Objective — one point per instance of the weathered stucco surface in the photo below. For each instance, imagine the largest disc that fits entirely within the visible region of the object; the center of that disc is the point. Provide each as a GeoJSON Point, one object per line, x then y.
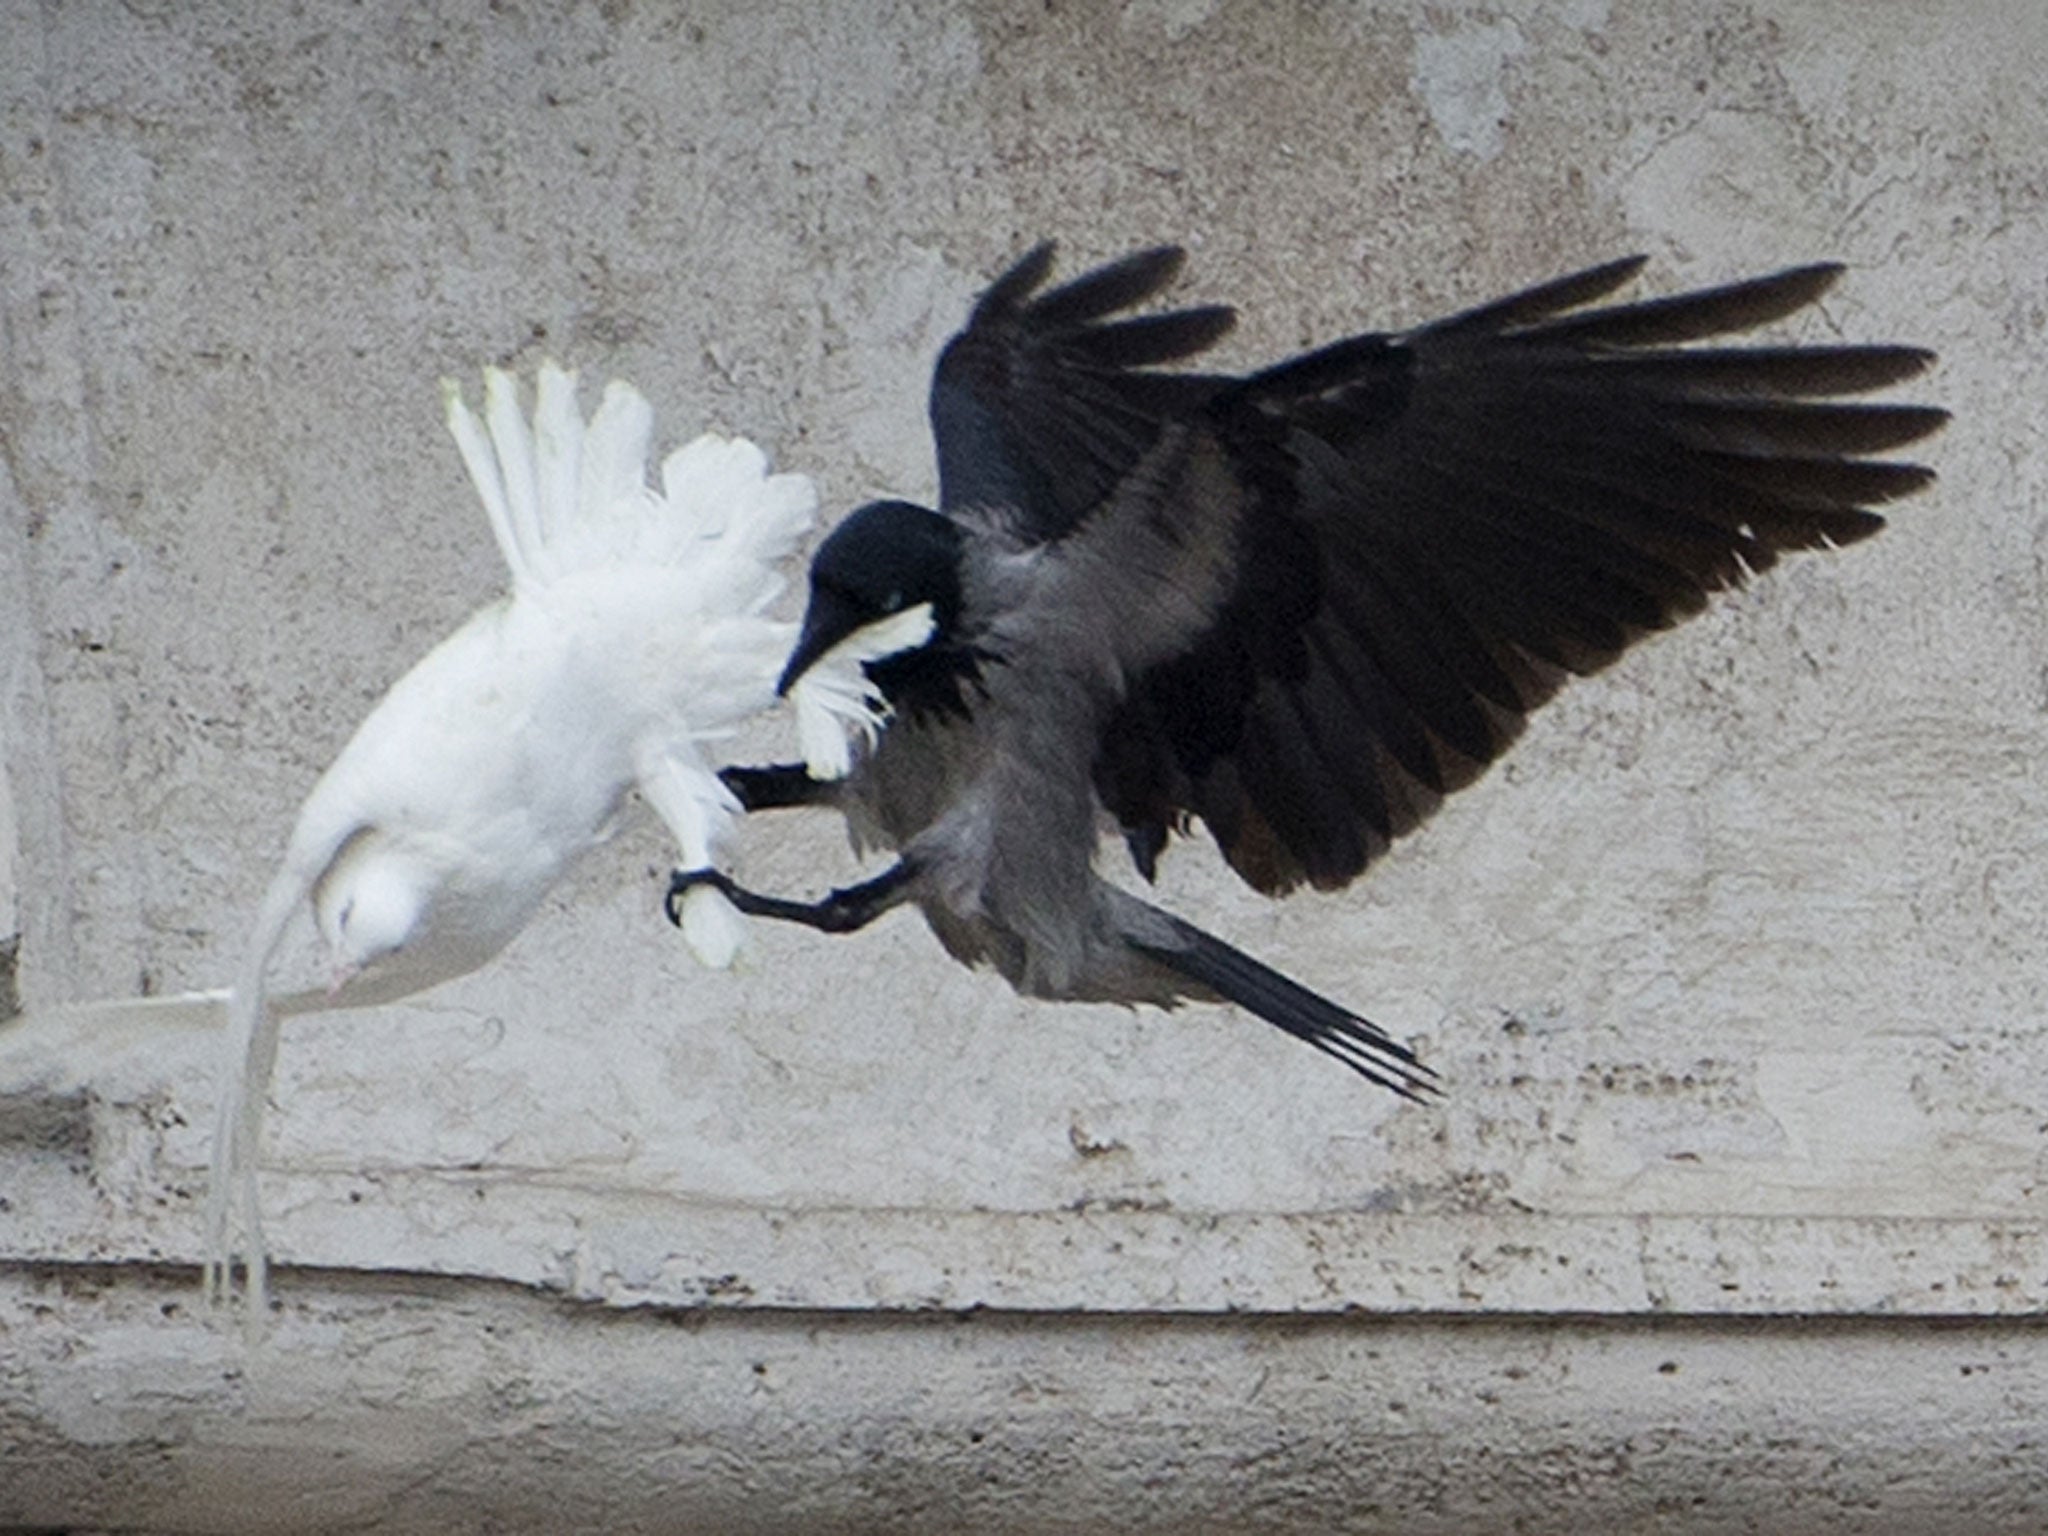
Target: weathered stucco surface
{"type": "Point", "coordinates": [1733, 970]}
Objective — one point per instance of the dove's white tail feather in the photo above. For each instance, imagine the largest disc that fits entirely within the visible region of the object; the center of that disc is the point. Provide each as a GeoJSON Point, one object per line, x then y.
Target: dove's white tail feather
{"type": "Point", "coordinates": [705, 477]}
{"type": "Point", "coordinates": [565, 497]}
{"type": "Point", "coordinates": [719, 513]}
{"type": "Point", "coordinates": [558, 451]}
{"type": "Point", "coordinates": [514, 445]}
{"type": "Point", "coordinates": [482, 464]}
{"type": "Point", "coordinates": [721, 488]}
{"type": "Point", "coordinates": [615, 448]}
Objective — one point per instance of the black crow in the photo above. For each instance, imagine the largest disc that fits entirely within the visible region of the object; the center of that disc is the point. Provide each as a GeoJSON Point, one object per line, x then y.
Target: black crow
{"type": "Point", "coordinates": [1300, 606]}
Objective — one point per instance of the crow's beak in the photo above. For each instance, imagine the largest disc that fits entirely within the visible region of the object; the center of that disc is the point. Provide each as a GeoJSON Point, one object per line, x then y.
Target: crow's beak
{"type": "Point", "coordinates": [828, 620]}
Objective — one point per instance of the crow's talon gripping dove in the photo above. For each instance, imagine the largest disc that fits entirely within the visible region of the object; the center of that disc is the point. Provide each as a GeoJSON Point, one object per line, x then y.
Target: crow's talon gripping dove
{"type": "Point", "coordinates": [684, 881]}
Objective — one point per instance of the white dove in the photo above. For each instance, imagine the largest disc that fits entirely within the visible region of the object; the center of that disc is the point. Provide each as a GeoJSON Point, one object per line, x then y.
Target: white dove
{"type": "Point", "coordinates": [635, 629]}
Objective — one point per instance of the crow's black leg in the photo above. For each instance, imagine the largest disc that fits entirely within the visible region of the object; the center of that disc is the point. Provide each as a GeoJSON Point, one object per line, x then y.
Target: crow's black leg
{"type": "Point", "coordinates": [773, 786]}
{"type": "Point", "coordinates": [840, 911]}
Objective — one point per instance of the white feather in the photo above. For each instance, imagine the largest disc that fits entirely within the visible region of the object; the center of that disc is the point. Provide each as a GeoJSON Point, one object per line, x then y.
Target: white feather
{"type": "Point", "coordinates": [558, 450]}
{"type": "Point", "coordinates": [836, 706]}
{"type": "Point", "coordinates": [614, 468]}
{"type": "Point", "coordinates": [482, 464]}
{"type": "Point", "coordinates": [515, 465]}
{"type": "Point", "coordinates": [633, 633]}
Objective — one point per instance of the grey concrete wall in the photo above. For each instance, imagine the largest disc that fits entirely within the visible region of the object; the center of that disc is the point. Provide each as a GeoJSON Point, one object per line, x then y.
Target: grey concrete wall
{"type": "Point", "coordinates": [1732, 971]}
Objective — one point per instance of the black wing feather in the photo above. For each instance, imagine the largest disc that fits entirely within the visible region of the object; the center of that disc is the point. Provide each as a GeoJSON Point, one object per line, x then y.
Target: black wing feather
{"type": "Point", "coordinates": [1041, 406]}
{"type": "Point", "coordinates": [1116, 285]}
{"type": "Point", "coordinates": [1694, 316]}
{"type": "Point", "coordinates": [1445, 524]}
{"type": "Point", "coordinates": [1545, 299]}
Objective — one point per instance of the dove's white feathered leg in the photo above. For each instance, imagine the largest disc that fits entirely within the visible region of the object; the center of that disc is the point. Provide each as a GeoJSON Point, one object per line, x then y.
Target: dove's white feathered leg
{"type": "Point", "coordinates": [238, 1116]}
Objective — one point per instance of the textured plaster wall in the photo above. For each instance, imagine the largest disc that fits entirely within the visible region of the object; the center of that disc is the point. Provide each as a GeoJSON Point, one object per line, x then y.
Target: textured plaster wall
{"type": "Point", "coordinates": [1732, 970]}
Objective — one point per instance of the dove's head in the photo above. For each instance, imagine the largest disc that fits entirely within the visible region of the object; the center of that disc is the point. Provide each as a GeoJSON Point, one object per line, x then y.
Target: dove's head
{"type": "Point", "coordinates": [367, 905]}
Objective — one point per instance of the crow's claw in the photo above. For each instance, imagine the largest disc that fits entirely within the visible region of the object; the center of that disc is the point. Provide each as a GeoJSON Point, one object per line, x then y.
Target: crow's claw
{"type": "Point", "coordinates": [774, 786]}
{"type": "Point", "coordinates": [683, 881]}
{"type": "Point", "coordinates": [840, 911]}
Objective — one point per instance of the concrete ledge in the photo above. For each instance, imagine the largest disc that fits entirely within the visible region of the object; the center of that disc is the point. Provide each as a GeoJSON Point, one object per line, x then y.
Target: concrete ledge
{"type": "Point", "coordinates": [401, 1404]}
{"type": "Point", "coordinates": [624, 1250]}
{"type": "Point", "coordinates": [101, 1161]}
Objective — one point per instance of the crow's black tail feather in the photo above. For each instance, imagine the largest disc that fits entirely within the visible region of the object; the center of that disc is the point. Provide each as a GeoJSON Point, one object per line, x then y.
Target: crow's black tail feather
{"type": "Point", "coordinates": [1335, 1031]}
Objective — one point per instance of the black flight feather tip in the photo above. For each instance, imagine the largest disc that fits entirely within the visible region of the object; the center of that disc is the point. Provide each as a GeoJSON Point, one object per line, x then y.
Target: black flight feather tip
{"type": "Point", "coordinates": [1023, 278]}
{"type": "Point", "coordinates": [1120, 284]}
{"type": "Point", "coordinates": [1532, 304]}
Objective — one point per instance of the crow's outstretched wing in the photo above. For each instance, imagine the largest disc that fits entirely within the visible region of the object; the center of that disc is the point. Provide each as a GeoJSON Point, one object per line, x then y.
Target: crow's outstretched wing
{"type": "Point", "coordinates": [1444, 524]}
{"type": "Point", "coordinates": [1042, 406]}
{"type": "Point", "coordinates": [1340, 585]}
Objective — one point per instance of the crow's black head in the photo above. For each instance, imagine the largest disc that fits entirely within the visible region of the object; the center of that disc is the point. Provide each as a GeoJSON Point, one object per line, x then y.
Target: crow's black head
{"type": "Point", "coordinates": [886, 557]}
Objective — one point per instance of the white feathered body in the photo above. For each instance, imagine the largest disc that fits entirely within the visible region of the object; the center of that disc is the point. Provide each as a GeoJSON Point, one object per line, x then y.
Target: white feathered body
{"type": "Point", "coordinates": [634, 630]}
{"type": "Point", "coordinates": [504, 755]}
